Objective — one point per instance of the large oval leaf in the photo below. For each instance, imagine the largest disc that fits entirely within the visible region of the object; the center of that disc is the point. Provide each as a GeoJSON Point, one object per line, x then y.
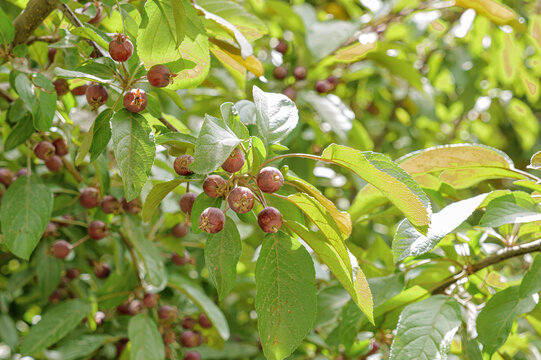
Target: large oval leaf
{"type": "Point", "coordinates": [426, 329]}
{"type": "Point", "coordinates": [133, 145]}
{"type": "Point", "coordinates": [222, 253]}
{"type": "Point", "coordinates": [286, 295]}
{"type": "Point", "coordinates": [157, 43]}
{"type": "Point", "coordinates": [146, 341]}
{"type": "Point", "coordinates": [54, 325]}
{"type": "Point", "coordinates": [25, 212]}
{"type": "Point", "coordinates": [395, 183]}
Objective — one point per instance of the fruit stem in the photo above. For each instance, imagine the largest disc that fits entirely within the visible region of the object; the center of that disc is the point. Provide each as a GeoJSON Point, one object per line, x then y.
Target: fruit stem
{"type": "Point", "coordinates": [72, 170]}
{"type": "Point", "coordinates": [306, 156]}
{"type": "Point", "coordinates": [69, 222]}
{"type": "Point", "coordinates": [80, 241]}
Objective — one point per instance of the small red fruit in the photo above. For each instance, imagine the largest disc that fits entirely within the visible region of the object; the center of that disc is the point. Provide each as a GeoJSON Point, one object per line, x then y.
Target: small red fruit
{"type": "Point", "coordinates": [61, 87]}
{"type": "Point", "coordinates": [166, 312]}
{"type": "Point", "coordinates": [102, 270]}
{"type": "Point", "coordinates": [234, 162]}
{"type": "Point", "coordinates": [241, 200]}
{"type": "Point", "coordinates": [135, 100]}
{"type": "Point", "coordinates": [110, 205]}
{"type": "Point", "coordinates": [323, 86]}
{"type": "Point", "coordinates": [181, 164]}
{"type": "Point", "coordinates": [159, 76]}
{"type": "Point", "coordinates": [72, 273]}
{"type": "Point", "coordinates": [97, 230]}
{"type": "Point", "coordinates": [281, 47]}
{"type": "Point", "coordinates": [188, 322]}
{"type": "Point", "coordinates": [150, 300]}
{"type": "Point", "coordinates": [179, 230]}
{"type": "Point", "coordinates": [79, 90]}
{"type": "Point", "coordinates": [181, 260]}
{"type": "Point", "coordinates": [269, 179]}
{"type": "Point", "coordinates": [280, 72]}
{"type": "Point", "coordinates": [99, 318]}
{"type": "Point", "coordinates": [44, 150]}
{"type": "Point", "coordinates": [300, 72]}
{"type": "Point", "coordinates": [192, 355]}
{"type": "Point", "coordinates": [55, 297]}
{"type": "Point", "coordinates": [191, 339]}
{"type": "Point", "coordinates": [215, 186]}
{"type": "Point", "coordinates": [96, 95]}
{"type": "Point", "coordinates": [120, 48]}
{"type": "Point", "coordinates": [212, 220]}
{"type": "Point", "coordinates": [60, 249]}
{"type": "Point", "coordinates": [186, 202]}
{"type": "Point", "coordinates": [50, 230]}
{"type": "Point", "coordinates": [204, 321]}
{"type": "Point", "coordinates": [89, 198]}
{"type": "Point", "coordinates": [270, 219]}
{"type": "Point", "coordinates": [133, 207]}
{"type": "Point", "coordinates": [290, 93]}
{"type": "Point", "coordinates": [22, 172]}
{"type": "Point", "coordinates": [54, 164]}
{"type": "Point", "coordinates": [50, 54]}
{"type": "Point", "coordinates": [6, 176]}
{"type": "Point", "coordinates": [61, 147]}
{"type": "Point", "coordinates": [333, 81]}
{"type": "Point", "coordinates": [135, 307]}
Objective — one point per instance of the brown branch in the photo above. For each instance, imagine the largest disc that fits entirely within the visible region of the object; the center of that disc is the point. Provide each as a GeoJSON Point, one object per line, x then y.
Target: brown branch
{"type": "Point", "coordinates": [30, 18]}
{"type": "Point", "coordinates": [168, 124]}
{"type": "Point", "coordinates": [77, 23]}
{"type": "Point", "coordinates": [6, 96]}
{"type": "Point", "coordinates": [72, 170]}
{"type": "Point", "coordinates": [501, 255]}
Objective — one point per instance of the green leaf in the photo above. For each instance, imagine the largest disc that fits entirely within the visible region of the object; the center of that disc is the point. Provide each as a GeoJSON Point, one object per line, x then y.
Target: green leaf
{"type": "Point", "coordinates": [150, 264]}
{"type": "Point", "coordinates": [426, 329]}
{"type": "Point", "coordinates": [55, 324]}
{"type": "Point", "coordinates": [199, 298]}
{"type": "Point", "coordinates": [286, 295]}
{"type": "Point", "coordinates": [156, 195]}
{"type": "Point", "coordinates": [515, 208]}
{"type": "Point", "coordinates": [332, 111]}
{"type": "Point", "coordinates": [146, 341]}
{"type": "Point", "coordinates": [85, 146]}
{"type": "Point", "coordinates": [351, 53]}
{"type": "Point", "coordinates": [7, 31]}
{"type": "Point", "coordinates": [175, 138]}
{"type": "Point", "coordinates": [24, 214]}
{"type": "Point", "coordinates": [43, 109]}
{"type": "Point", "coordinates": [342, 218]}
{"type": "Point", "coordinates": [353, 280]}
{"type": "Point", "coordinates": [80, 347]}
{"type": "Point", "coordinates": [385, 288]}
{"type": "Point", "coordinates": [531, 283]}
{"type": "Point", "coordinates": [535, 161]}
{"type": "Point", "coordinates": [222, 253]}
{"type": "Point", "coordinates": [276, 115]}
{"type": "Point", "coordinates": [89, 33]}
{"type": "Point", "coordinates": [20, 133]}
{"type": "Point", "coordinates": [245, 46]}
{"type": "Point", "coordinates": [380, 171]}
{"type": "Point", "coordinates": [103, 68]}
{"type": "Point", "coordinates": [70, 74]}
{"type": "Point", "coordinates": [213, 146]}
{"type": "Point", "coordinates": [48, 269]}
{"type": "Point", "coordinates": [134, 149]}
{"type": "Point", "coordinates": [157, 43]}
{"type": "Point", "coordinates": [410, 242]}
{"type": "Point", "coordinates": [8, 331]}
{"type": "Point", "coordinates": [25, 89]}
{"type": "Point", "coordinates": [179, 15]}
{"type": "Point", "coordinates": [495, 321]}
{"type": "Point", "coordinates": [117, 287]}
{"type": "Point", "coordinates": [258, 152]}
{"type": "Point", "coordinates": [232, 119]}
{"type": "Point", "coordinates": [101, 133]}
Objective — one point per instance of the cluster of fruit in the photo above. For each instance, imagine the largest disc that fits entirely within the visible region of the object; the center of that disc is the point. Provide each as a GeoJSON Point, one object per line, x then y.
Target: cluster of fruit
{"type": "Point", "coordinates": [135, 99]}
{"type": "Point", "coordinates": [300, 73]}
{"type": "Point", "coordinates": [239, 191]}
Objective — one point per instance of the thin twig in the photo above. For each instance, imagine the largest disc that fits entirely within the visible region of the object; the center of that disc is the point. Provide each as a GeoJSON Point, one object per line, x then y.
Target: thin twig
{"type": "Point", "coordinates": [501, 255]}
{"type": "Point", "coordinates": [7, 96]}
{"type": "Point", "coordinates": [77, 23]}
{"type": "Point", "coordinates": [168, 124]}
{"type": "Point", "coordinates": [72, 170]}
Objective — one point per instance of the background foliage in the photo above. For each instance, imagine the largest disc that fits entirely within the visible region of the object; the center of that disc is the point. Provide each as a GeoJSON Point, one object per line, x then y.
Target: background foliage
{"type": "Point", "coordinates": [404, 149]}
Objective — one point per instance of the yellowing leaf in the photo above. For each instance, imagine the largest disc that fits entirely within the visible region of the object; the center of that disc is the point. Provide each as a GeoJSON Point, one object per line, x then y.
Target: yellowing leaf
{"type": "Point", "coordinates": [496, 12]}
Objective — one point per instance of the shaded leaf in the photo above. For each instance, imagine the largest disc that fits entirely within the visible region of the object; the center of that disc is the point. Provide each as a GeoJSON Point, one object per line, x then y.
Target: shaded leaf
{"type": "Point", "coordinates": [146, 341]}
{"type": "Point", "coordinates": [101, 133]}
{"type": "Point", "coordinates": [80, 346]}
{"type": "Point", "coordinates": [286, 295]}
{"type": "Point", "coordinates": [515, 208]}
{"type": "Point", "coordinates": [426, 329]}
{"type": "Point", "coordinates": [531, 283]}
{"type": "Point", "coordinates": [24, 214]}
